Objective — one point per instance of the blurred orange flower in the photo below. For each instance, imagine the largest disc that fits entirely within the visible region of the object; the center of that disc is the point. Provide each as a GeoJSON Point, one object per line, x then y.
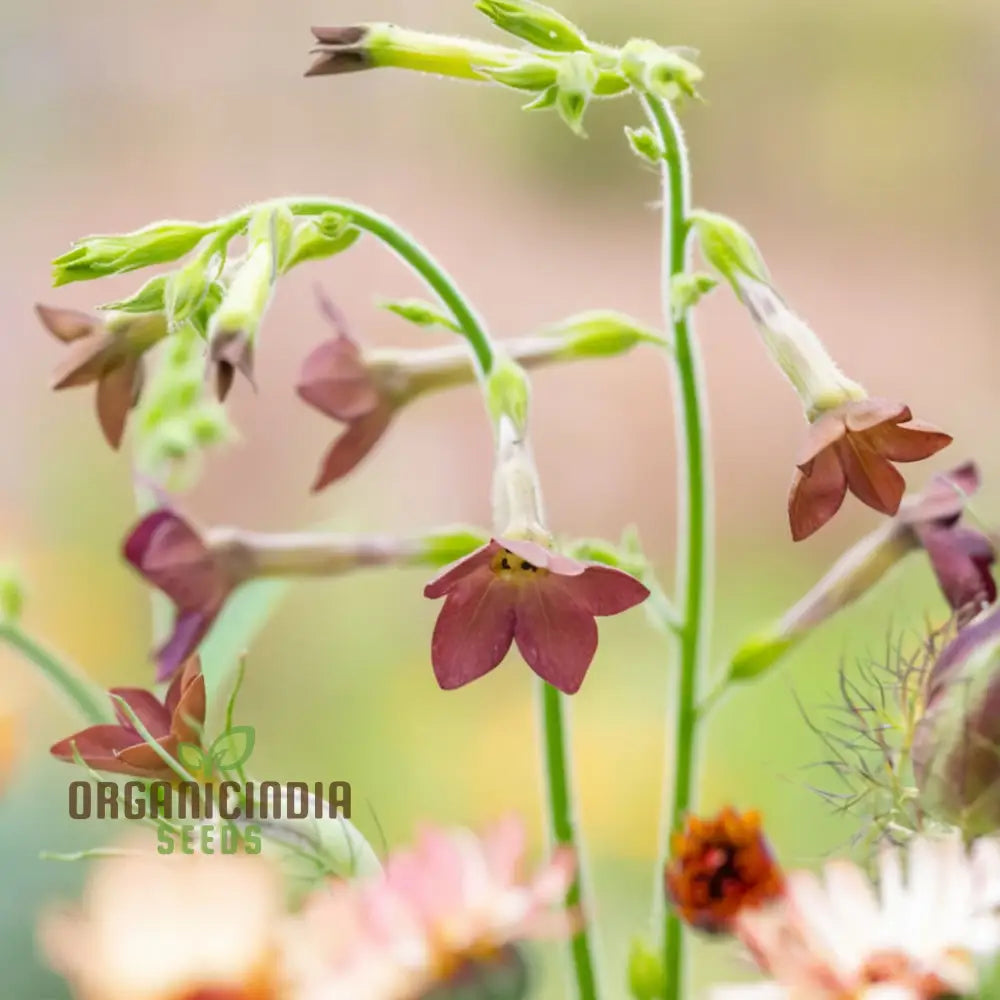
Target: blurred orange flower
{"type": "Point", "coordinates": [720, 867]}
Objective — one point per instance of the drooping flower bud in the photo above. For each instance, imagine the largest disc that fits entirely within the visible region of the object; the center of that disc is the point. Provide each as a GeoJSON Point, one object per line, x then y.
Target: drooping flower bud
{"type": "Point", "coordinates": [319, 238]}
{"type": "Point", "coordinates": [11, 595]}
{"type": "Point", "coordinates": [955, 754]}
{"type": "Point", "coordinates": [535, 23]}
{"type": "Point", "coordinates": [99, 256]}
{"type": "Point", "coordinates": [233, 327]}
{"type": "Point", "coordinates": [664, 72]}
{"type": "Point", "coordinates": [647, 979]}
{"type": "Point", "coordinates": [576, 82]}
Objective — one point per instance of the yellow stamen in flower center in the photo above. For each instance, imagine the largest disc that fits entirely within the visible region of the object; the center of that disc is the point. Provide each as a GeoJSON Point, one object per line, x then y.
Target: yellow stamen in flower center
{"type": "Point", "coordinates": [512, 568]}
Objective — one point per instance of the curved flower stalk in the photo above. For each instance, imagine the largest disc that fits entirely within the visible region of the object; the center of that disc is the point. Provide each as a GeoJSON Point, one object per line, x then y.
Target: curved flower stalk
{"type": "Point", "coordinates": [922, 934]}
{"type": "Point", "coordinates": [366, 389]}
{"type": "Point", "coordinates": [853, 439]}
{"type": "Point", "coordinates": [199, 571]}
{"type": "Point", "coordinates": [960, 557]}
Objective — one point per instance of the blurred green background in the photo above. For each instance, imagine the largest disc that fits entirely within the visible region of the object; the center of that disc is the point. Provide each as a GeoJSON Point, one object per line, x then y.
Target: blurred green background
{"type": "Point", "coordinates": [859, 142]}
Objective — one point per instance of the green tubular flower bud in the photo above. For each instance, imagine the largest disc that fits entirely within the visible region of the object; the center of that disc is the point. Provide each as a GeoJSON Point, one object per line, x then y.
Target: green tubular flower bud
{"type": "Point", "coordinates": [759, 653]}
{"type": "Point", "coordinates": [535, 23]}
{"type": "Point", "coordinates": [728, 247]}
{"type": "Point", "coordinates": [421, 313]}
{"type": "Point", "coordinates": [245, 301]}
{"type": "Point", "coordinates": [508, 393]}
{"type": "Point", "coordinates": [318, 238]}
{"type": "Point", "coordinates": [575, 88]}
{"type": "Point", "coordinates": [647, 978]}
{"type": "Point", "coordinates": [185, 291]}
{"type": "Point", "coordinates": [644, 144]}
{"type": "Point", "coordinates": [210, 424]}
{"type": "Point", "coordinates": [602, 333]}
{"type": "Point", "coordinates": [98, 256]}
{"type": "Point", "coordinates": [150, 298]}
{"type": "Point", "coordinates": [11, 595]}
{"type": "Point", "coordinates": [274, 226]}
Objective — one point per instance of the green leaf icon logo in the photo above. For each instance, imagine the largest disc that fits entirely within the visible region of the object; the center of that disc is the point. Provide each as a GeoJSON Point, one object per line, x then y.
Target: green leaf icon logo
{"type": "Point", "coordinates": [232, 748]}
{"type": "Point", "coordinates": [192, 757]}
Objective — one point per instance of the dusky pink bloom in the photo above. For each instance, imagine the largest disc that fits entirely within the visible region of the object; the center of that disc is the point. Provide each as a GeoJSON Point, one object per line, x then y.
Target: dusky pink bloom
{"type": "Point", "coordinates": [336, 381]}
{"type": "Point", "coordinates": [518, 591]}
{"type": "Point", "coordinates": [108, 354]}
{"type": "Point", "coordinates": [961, 557]}
{"type": "Point", "coordinates": [119, 749]}
{"type": "Point", "coordinates": [853, 446]}
{"type": "Point", "coordinates": [174, 558]}
{"type": "Point", "coordinates": [439, 912]}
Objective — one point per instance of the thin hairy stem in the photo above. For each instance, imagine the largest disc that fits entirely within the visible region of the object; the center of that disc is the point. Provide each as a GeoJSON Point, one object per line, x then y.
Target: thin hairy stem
{"type": "Point", "coordinates": [694, 514]}
{"type": "Point", "coordinates": [563, 829]}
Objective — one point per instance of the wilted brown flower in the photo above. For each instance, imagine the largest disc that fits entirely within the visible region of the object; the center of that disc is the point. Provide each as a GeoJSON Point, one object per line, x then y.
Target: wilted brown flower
{"type": "Point", "coordinates": [121, 750]}
{"type": "Point", "coordinates": [340, 50]}
{"type": "Point", "coordinates": [853, 446]}
{"type": "Point", "coordinates": [720, 867]}
{"type": "Point", "coordinates": [107, 352]}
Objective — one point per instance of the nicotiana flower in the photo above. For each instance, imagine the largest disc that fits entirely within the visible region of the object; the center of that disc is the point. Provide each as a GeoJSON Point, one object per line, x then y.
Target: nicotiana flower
{"type": "Point", "coordinates": [961, 558]}
{"type": "Point", "coordinates": [954, 753]}
{"type": "Point", "coordinates": [516, 591]}
{"type": "Point", "coordinates": [108, 352]}
{"type": "Point", "coordinates": [445, 913]}
{"type": "Point", "coordinates": [178, 718]}
{"type": "Point", "coordinates": [181, 927]}
{"type": "Point", "coordinates": [175, 558]}
{"type": "Point", "coordinates": [853, 439]}
{"type": "Point", "coordinates": [918, 936]}
{"type": "Point", "coordinates": [720, 867]}
{"type": "Point", "coordinates": [852, 446]}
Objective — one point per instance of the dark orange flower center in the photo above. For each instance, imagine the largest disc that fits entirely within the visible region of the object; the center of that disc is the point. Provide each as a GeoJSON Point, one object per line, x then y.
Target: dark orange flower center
{"type": "Point", "coordinates": [719, 867]}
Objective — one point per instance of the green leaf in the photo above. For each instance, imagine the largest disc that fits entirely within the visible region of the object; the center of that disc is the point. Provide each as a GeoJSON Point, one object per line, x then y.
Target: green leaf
{"type": "Point", "coordinates": [232, 749]}
{"type": "Point", "coordinates": [192, 757]}
{"type": "Point", "coordinates": [245, 615]}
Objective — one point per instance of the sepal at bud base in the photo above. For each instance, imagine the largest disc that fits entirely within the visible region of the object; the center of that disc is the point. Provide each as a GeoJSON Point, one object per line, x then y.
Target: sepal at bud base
{"type": "Point", "coordinates": [575, 85]}
{"type": "Point", "coordinates": [150, 298]}
{"type": "Point", "coordinates": [11, 595]}
{"type": "Point", "coordinates": [421, 313]}
{"type": "Point", "coordinates": [318, 238]}
{"type": "Point", "coordinates": [185, 290]}
{"type": "Point", "coordinates": [645, 144]}
{"type": "Point", "coordinates": [602, 333]}
{"type": "Point", "coordinates": [508, 393]}
{"type": "Point", "coordinates": [758, 654]}
{"type": "Point", "coordinates": [728, 247]}
{"type": "Point", "coordinates": [546, 99]}
{"type": "Point", "coordinates": [687, 290]}
{"type": "Point", "coordinates": [647, 978]}
{"type": "Point", "coordinates": [529, 73]}
{"type": "Point", "coordinates": [99, 256]}
{"type": "Point", "coordinates": [535, 23]}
